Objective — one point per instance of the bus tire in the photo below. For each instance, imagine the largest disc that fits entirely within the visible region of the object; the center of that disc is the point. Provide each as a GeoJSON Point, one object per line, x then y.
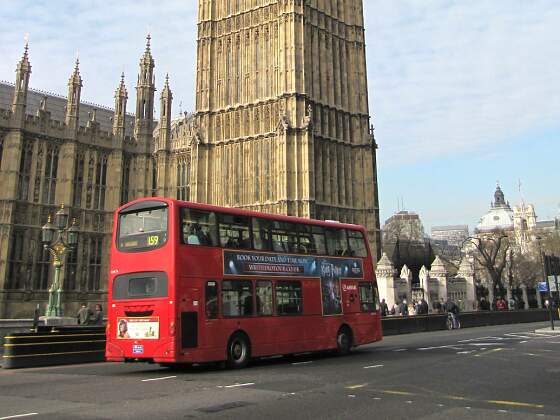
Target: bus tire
{"type": "Point", "coordinates": [343, 340]}
{"type": "Point", "coordinates": [238, 351]}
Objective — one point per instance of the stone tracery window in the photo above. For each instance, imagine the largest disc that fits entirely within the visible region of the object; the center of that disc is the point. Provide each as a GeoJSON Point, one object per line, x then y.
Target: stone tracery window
{"type": "Point", "coordinates": [100, 182]}
{"type": "Point", "coordinates": [51, 169]}
{"type": "Point", "coordinates": [38, 173]}
{"type": "Point", "coordinates": [41, 271]}
{"type": "Point", "coordinates": [95, 252]}
{"type": "Point", "coordinates": [16, 264]}
{"type": "Point", "coordinates": [125, 181]}
{"type": "Point", "coordinates": [78, 180]}
{"type": "Point", "coordinates": [25, 170]}
{"type": "Point", "coordinates": [89, 186]}
{"type": "Point", "coordinates": [183, 176]}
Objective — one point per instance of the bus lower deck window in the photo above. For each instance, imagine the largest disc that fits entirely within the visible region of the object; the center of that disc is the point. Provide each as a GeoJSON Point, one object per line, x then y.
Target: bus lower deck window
{"type": "Point", "coordinates": [237, 298]}
{"type": "Point", "coordinates": [289, 298]}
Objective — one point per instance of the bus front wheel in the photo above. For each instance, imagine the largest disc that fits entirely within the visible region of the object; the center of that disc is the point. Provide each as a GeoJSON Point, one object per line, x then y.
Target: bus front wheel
{"type": "Point", "coordinates": [238, 351]}
{"type": "Point", "coordinates": [343, 341]}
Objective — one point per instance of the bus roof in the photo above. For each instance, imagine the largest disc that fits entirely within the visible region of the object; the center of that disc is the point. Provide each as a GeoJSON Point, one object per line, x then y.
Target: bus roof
{"type": "Point", "coordinates": [242, 212]}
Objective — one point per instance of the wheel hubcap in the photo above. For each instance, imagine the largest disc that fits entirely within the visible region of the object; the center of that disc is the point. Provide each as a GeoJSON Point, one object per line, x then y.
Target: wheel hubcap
{"type": "Point", "coordinates": [237, 350]}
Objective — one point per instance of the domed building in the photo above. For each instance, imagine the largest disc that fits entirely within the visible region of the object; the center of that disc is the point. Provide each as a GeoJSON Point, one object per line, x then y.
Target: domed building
{"type": "Point", "coordinates": [500, 215]}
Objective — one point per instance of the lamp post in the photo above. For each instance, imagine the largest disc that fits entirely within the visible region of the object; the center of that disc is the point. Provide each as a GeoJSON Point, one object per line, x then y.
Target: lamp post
{"type": "Point", "coordinates": [59, 240]}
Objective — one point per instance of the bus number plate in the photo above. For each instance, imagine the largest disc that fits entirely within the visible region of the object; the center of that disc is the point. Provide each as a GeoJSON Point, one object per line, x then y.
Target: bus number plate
{"type": "Point", "coordinates": [138, 349]}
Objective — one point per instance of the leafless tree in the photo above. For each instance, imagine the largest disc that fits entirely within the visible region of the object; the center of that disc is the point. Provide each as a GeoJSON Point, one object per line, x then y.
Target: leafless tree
{"type": "Point", "coordinates": [491, 253]}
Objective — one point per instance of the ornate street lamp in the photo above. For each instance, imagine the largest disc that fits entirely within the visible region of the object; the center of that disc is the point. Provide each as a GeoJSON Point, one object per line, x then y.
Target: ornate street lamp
{"type": "Point", "coordinates": [59, 240]}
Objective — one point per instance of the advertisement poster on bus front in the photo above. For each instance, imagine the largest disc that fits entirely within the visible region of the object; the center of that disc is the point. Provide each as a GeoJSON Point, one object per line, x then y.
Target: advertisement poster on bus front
{"type": "Point", "coordinates": [145, 328]}
{"type": "Point", "coordinates": [329, 270]}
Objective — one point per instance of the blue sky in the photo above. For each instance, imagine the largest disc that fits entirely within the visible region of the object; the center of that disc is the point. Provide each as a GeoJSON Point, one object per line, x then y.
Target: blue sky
{"type": "Point", "coordinates": [462, 93]}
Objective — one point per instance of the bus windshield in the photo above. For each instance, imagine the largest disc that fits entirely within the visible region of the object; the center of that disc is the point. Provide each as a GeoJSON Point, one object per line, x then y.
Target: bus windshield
{"type": "Point", "coordinates": [142, 229]}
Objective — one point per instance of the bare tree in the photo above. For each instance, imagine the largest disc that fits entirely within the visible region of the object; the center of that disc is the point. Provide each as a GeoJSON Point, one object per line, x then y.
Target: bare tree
{"type": "Point", "coordinates": [491, 252]}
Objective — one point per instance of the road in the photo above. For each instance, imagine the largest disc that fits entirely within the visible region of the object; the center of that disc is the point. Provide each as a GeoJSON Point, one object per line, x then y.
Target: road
{"type": "Point", "coordinates": [502, 372]}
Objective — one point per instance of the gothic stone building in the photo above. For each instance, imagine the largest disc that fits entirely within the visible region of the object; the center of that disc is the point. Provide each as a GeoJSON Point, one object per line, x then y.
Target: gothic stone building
{"type": "Point", "coordinates": [281, 125]}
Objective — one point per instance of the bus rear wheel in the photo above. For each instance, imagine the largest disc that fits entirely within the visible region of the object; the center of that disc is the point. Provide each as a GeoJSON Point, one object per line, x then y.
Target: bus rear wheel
{"type": "Point", "coordinates": [343, 341]}
{"type": "Point", "coordinates": [238, 351]}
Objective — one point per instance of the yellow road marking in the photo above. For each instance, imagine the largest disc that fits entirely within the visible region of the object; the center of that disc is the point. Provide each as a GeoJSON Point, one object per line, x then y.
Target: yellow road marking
{"type": "Point", "coordinates": [457, 398]}
{"type": "Point", "coordinates": [490, 351]}
{"type": "Point", "coordinates": [397, 392]}
{"type": "Point", "coordinates": [54, 354]}
{"type": "Point", "coordinates": [515, 403]}
{"type": "Point", "coordinates": [52, 335]}
{"type": "Point", "coordinates": [356, 386]}
{"type": "Point", "coordinates": [53, 342]}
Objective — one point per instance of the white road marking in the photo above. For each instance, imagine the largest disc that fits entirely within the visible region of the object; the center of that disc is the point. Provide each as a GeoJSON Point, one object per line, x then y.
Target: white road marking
{"type": "Point", "coordinates": [485, 344]}
{"type": "Point", "coordinates": [239, 385]}
{"type": "Point", "coordinates": [351, 396]}
{"type": "Point", "coordinates": [476, 339]}
{"type": "Point", "coordinates": [466, 352]}
{"type": "Point", "coordinates": [16, 416]}
{"type": "Point", "coordinates": [502, 411]}
{"type": "Point", "coordinates": [376, 398]}
{"type": "Point", "coordinates": [468, 408]}
{"type": "Point", "coordinates": [523, 342]}
{"type": "Point", "coordinates": [409, 402]}
{"type": "Point", "coordinates": [400, 350]}
{"type": "Point", "coordinates": [450, 346]}
{"type": "Point", "coordinates": [302, 363]}
{"type": "Point", "coordinates": [529, 354]}
{"type": "Point", "coordinates": [373, 366]}
{"type": "Point", "coordinates": [157, 379]}
{"type": "Point", "coordinates": [441, 405]}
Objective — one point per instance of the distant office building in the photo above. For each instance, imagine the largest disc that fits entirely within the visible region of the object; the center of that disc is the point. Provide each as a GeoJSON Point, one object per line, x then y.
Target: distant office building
{"type": "Point", "coordinates": [453, 235]}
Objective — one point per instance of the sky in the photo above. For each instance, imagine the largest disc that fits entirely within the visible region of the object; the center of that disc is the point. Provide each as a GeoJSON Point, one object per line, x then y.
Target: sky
{"type": "Point", "coordinates": [463, 94]}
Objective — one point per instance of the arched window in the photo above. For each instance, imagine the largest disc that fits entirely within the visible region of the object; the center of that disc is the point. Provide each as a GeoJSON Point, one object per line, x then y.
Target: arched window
{"type": "Point", "coordinates": [100, 183]}
{"type": "Point", "coordinates": [51, 169]}
{"type": "Point", "coordinates": [125, 181]}
{"type": "Point", "coordinates": [24, 178]}
{"type": "Point", "coordinates": [78, 180]}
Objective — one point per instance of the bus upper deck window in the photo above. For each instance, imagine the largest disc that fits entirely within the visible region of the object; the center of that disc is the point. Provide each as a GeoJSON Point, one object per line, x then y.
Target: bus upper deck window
{"type": "Point", "coordinates": [198, 227]}
{"type": "Point", "coordinates": [357, 243]}
{"type": "Point", "coordinates": [143, 226]}
{"type": "Point", "coordinates": [337, 242]}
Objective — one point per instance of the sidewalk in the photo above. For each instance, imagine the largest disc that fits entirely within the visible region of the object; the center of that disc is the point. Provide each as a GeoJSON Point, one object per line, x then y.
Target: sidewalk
{"type": "Point", "coordinates": [549, 330]}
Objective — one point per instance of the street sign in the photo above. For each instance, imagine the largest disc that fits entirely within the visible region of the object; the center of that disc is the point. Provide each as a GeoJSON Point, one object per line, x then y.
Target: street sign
{"type": "Point", "coordinates": [542, 286]}
{"type": "Point", "coordinates": [551, 284]}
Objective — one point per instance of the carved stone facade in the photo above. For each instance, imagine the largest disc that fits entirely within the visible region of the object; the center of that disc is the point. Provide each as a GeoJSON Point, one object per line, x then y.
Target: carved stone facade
{"type": "Point", "coordinates": [282, 111]}
{"type": "Point", "coordinates": [281, 125]}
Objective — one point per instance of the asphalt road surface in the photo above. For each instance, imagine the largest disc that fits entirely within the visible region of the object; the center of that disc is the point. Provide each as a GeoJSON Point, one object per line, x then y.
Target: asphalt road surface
{"type": "Point", "coordinates": [502, 372]}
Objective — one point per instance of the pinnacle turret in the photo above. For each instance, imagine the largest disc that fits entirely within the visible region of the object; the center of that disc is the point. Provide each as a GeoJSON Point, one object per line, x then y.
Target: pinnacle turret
{"type": "Point", "coordinates": [121, 97]}
{"type": "Point", "coordinates": [23, 72]}
{"type": "Point", "coordinates": [145, 95]}
{"type": "Point", "coordinates": [74, 93]}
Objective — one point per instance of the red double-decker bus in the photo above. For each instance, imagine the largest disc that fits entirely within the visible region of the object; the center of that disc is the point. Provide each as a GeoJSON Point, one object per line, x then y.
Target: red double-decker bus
{"type": "Point", "coordinates": [194, 283]}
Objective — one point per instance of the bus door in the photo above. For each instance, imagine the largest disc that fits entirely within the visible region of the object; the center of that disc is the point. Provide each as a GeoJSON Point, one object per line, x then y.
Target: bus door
{"type": "Point", "coordinates": [189, 310]}
{"type": "Point", "coordinates": [350, 296]}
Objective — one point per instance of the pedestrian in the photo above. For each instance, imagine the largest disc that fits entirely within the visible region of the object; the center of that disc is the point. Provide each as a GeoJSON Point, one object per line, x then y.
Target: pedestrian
{"type": "Point", "coordinates": [437, 306]}
{"type": "Point", "coordinates": [411, 309]}
{"type": "Point", "coordinates": [97, 317]}
{"type": "Point", "coordinates": [384, 308]}
{"type": "Point", "coordinates": [403, 308]}
{"type": "Point", "coordinates": [84, 314]}
{"type": "Point", "coordinates": [443, 306]}
{"type": "Point", "coordinates": [501, 304]}
{"type": "Point", "coordinates": [424, 306]}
